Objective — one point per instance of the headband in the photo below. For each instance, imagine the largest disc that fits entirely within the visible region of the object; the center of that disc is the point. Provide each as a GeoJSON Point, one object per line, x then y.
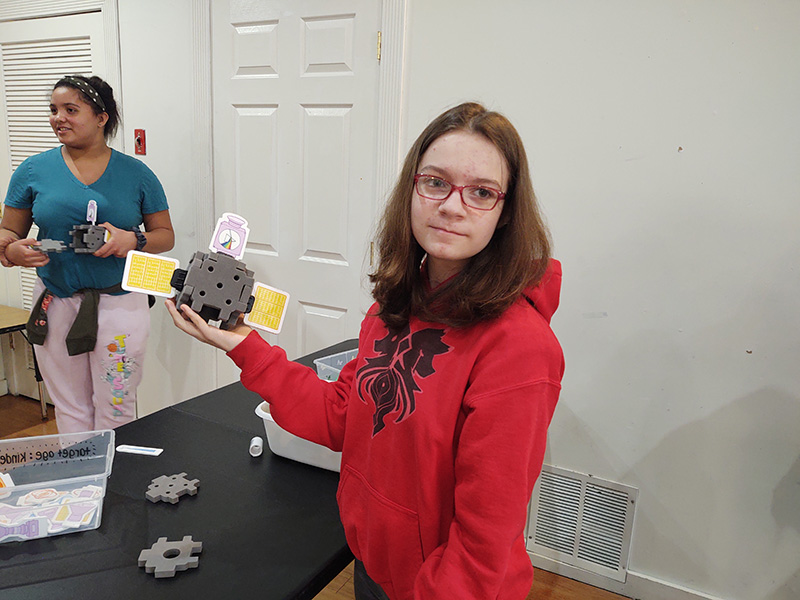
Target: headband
{"type": "Point", "coordinates": [86, 89]}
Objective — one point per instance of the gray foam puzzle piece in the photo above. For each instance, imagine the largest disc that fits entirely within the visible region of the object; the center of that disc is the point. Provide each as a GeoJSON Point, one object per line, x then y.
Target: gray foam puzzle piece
{"type": "Point", "coordinates": [165, 558]}
{"type": "Point", "coordinates": [169, 488]}
{"type": "Point", "coordinates": [47, 245]}
{"type": "Point", "coordinates": [217, 282]}
{"type": "Point", "coordinates": [87, 238]}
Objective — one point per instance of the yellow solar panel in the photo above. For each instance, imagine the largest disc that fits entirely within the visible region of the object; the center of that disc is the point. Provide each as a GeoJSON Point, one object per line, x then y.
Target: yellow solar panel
{"type": "Point", "coordinates": [149, 273]}
{"type": "Point", "coordinates": [269, 308]}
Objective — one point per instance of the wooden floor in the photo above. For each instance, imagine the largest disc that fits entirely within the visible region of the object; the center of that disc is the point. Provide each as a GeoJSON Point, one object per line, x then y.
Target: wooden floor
{"type": "Point", "coordinates": [546, 586]}
{"type": "Point", "coordinates": [22, 417]}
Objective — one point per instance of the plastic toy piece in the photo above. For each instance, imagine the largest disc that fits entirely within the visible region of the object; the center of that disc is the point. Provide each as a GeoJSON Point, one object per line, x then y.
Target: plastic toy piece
{"type": "Point", "coordinates": [256, 446]}
{"type": "Point", "coordinates": [169, 488]}
{"type": "Point", "coordinates": [216, 286]}
{"type": "Point", "coordinates": [91, 212]}
{"type": "Point", "coordinates": [50, 246]}
{"type": "Point", "coordinates": [87, 239]}
{"type": "Point", "coordinates": [164, 558]}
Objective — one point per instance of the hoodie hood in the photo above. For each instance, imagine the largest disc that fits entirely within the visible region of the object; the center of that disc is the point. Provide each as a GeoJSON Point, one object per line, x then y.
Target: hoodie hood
{"type": "Point", "coordinates": [545, 295]}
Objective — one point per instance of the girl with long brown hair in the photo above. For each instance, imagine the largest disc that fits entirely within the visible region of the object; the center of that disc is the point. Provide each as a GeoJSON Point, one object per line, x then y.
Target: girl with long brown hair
{"type": "Point", "coordinates": [442, 417]}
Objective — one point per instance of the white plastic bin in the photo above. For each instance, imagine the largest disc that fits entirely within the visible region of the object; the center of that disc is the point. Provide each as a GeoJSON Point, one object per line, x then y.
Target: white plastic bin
{"type": "Point", "coordinates": [329, 367]}
{"type": "Point", "coordinates": [288, 445]}
{"type": "Point", "coordinates": [53, 484]}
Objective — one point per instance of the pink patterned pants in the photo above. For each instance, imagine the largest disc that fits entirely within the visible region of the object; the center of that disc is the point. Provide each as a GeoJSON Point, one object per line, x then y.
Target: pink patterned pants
{"type": "Point", "coordinates": [95, 390]}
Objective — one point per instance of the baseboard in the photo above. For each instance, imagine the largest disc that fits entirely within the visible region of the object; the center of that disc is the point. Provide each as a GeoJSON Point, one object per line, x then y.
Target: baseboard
{"type": "Point", "coordinates": [637, 586]}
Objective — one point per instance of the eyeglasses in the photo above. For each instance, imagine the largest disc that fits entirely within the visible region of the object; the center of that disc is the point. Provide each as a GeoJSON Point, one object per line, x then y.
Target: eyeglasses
{"type": "Point", "coordinates": [478, 197]}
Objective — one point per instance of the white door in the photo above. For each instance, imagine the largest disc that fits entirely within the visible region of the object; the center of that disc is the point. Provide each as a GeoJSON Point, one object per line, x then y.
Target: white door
{"type": "Point", "coordinates": [295, 89]}
{"type": "Point", "coordinates": [34, 54]}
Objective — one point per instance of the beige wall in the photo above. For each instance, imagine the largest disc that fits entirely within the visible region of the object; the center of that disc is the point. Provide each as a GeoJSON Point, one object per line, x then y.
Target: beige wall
{"type": "Point", "coordinates": [159, 95]}
{"type": "Point", "coordinates": [665, 144]}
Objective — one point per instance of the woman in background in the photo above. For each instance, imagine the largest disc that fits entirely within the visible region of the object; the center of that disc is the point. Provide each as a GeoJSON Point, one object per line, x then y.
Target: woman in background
{"type": "Point", "coordinates": [90, 334]}
{"type": "Point", "coordinates": [442, 418]}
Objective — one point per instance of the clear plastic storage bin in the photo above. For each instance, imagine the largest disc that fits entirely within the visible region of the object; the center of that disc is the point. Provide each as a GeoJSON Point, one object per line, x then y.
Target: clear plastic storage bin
{"type": "Point", "coordinates": [285, 444]}
{"type": "Point", "coordinates": [329, 367]}
{"type": "Point", "coordinates": [53, 484]}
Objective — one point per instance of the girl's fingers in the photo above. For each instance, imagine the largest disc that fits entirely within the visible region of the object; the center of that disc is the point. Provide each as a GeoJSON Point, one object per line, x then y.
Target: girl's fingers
{"type": "Point", "coordinates": [196, 319]}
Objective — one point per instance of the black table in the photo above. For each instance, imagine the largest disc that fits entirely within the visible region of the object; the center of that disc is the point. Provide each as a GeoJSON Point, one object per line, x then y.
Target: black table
{"type": "Point", "coordinates": [270, 526]}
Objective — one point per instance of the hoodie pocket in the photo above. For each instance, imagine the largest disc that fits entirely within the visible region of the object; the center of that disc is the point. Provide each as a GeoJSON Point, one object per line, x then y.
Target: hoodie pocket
{"type": "Point", "coordinates": [383, 534]}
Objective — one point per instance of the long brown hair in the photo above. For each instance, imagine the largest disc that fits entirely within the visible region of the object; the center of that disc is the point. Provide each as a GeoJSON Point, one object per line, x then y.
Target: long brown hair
{"type": "Point", "coordinates": [515, 258]}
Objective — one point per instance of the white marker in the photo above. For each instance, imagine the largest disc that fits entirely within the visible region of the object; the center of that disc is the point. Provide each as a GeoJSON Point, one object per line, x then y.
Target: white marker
{"type": "Point", "coordinates": [140, 450]}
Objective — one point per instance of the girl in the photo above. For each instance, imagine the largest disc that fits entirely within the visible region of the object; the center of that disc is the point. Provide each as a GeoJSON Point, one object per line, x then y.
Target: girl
{"type": "Point", "coordinates": [91, 335]}
{"type": "Point", "coordinates": [442, 418]}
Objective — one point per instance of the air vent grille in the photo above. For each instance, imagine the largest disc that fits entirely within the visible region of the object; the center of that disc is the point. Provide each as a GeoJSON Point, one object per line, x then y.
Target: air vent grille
{"type": "Point", "coordinates": [559, 503]}
{"type": "Point", "coordinates": [582, 521]}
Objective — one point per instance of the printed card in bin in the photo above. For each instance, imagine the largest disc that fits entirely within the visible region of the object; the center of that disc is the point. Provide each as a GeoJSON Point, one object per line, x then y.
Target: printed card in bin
{"type": "Point", "coordinates": [53, 484]}
{"type": "Point", "coordinates": [216, 285]}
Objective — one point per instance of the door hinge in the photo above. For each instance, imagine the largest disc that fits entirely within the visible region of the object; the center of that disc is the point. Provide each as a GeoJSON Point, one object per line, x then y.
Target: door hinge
{"type": "Point", "coordinates": [371, 254]}
{"type": "Point", "coordinates": [379, 46]}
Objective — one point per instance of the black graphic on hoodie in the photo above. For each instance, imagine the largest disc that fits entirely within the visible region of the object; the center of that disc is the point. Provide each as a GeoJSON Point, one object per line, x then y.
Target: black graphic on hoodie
{"type": "Point", "coordinates": [390, 378]}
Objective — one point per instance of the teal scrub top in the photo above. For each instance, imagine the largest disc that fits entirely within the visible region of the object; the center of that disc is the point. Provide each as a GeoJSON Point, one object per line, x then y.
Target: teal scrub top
{"type": "Point", "coordinates": [125, 192]}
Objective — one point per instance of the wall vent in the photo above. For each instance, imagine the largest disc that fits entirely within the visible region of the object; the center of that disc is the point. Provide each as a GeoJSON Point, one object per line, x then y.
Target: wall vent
{"type": "Point", "coordinates": [582, 521]}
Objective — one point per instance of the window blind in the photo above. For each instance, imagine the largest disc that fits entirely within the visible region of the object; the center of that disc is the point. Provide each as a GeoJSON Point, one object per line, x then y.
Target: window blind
{"type": "Point", "coordinates": [13, 10]}
{"type": "Point", "coordinates": [29, 70]}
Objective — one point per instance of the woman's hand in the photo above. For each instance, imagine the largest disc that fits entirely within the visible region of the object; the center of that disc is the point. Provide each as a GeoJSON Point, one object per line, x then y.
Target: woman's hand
{"type": "Point", "coordinates": [189, 321]}
{"type": "Point", "coordinates": [4, 242]}
{"type": "Point", "coordinates": [15, 225]}
{"type": "Point", "coordinates": [20, 254]}
{"type": "Point", "coordinates": [120, 242]}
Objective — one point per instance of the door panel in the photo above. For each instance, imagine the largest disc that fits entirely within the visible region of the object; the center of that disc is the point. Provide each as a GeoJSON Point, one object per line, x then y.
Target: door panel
{"type": "Point", "coordinates": [295, 109]}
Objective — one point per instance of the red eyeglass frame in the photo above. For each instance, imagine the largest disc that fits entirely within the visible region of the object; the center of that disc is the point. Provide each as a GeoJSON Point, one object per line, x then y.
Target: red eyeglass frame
{"type": "Point", "coordinates": [458, 188]}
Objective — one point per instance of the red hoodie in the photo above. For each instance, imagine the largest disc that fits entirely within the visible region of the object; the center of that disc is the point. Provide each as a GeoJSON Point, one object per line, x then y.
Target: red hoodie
{"type": "Point", "coordinates": [442, 432]}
